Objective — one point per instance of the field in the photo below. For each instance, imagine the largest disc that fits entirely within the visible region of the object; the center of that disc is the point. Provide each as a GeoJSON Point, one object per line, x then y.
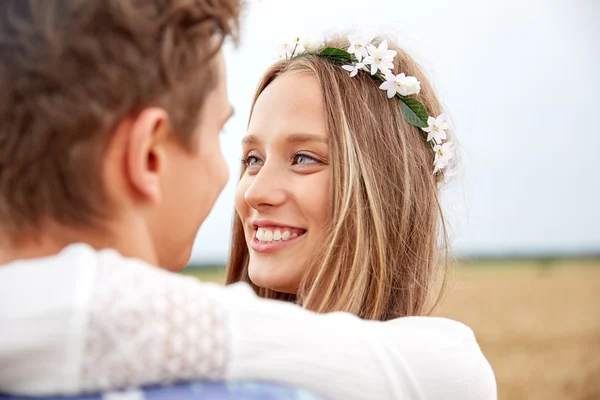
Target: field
{"type": "Point", "coordinates": [538, 323]}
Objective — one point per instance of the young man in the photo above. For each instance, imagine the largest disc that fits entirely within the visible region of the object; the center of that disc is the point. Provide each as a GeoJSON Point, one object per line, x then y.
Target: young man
{"type": "Point", "coordinates": [109, 162]}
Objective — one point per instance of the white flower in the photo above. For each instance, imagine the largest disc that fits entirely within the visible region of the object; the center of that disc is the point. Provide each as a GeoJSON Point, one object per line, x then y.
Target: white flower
{"type": "Point", "coordinates": [353, 69]}
{"type": "Point", "coordinates": [291, 48]}
{"type": "Point", "coordinates": [405, 85]}
{"type": "Point", "coordinates": [296, 46]}
{"type": "Point", "coordinates": [408, 85]}
{"type": "Point", "coordinates": [447, 175]}
{"type": "Point", "coordinates": [443, 155]}
{"type": "Point", "coordinates": [358, 46]}
{"type": "Point", "coordinates": [436, 128]}
{"type": "Point", "coordinates": [380, 58]}
{"type": "Point", "coordinates": [390, 85]}
{"type": "Point", "coordinates": [311, 44]}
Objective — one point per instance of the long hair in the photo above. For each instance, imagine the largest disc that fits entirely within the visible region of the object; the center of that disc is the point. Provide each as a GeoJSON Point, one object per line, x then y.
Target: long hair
{"type": "Point", "coordinates": [386, 241]}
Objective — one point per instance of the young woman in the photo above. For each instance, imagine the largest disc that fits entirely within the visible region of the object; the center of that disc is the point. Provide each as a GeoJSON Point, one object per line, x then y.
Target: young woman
{"type": "Point", "coordinates": [338, 205]}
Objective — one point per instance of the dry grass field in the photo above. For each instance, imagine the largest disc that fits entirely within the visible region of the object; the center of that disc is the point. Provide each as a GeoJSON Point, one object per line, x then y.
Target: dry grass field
{"type": "Point", "coordinates": [538, 326]}
{"type": "Point", "coordinates": [537, 323]}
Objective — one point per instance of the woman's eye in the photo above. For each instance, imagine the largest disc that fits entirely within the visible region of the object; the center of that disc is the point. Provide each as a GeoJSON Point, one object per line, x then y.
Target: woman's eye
{"type": "Point", "coordinates": [304, 159]}
{"type": "Point", "coordinates": [252, 161]}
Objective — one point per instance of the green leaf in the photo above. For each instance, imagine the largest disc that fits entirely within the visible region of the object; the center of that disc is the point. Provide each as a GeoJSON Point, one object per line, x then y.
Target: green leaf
{"type": "Point", "coordinates": [414, 112]}
{"type": "Point", "coordinates": [335, 53]}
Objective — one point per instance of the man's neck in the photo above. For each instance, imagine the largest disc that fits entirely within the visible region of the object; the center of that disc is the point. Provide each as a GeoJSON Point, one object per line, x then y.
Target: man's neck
{"type": "Point", "coordinates": [127, 239]}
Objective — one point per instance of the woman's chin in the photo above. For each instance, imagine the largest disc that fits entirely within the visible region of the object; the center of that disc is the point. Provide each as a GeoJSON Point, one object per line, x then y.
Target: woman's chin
{"type": "Point", "coordinates": [277, 279]}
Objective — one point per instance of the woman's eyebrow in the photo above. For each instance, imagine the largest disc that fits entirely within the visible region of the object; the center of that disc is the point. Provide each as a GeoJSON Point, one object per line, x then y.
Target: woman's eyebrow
{"type": "Point", "coordinates": [291, 138]}
{"type": "Point", "coordinates": [306, 137]}
{"type": "Point", "coordinates": [250, 139]}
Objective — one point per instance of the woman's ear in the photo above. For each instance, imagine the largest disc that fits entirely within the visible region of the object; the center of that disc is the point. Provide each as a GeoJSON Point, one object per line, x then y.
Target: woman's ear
{"type": "Point", "coordinates": [146, 154]}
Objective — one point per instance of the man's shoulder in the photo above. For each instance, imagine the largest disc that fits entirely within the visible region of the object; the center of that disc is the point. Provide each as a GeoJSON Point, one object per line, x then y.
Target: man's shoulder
{"type": "Point", "coordinates": [58, 280]}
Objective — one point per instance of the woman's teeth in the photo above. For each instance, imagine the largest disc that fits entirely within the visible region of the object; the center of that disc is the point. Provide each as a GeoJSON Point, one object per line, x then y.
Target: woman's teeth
{"type": "Point", "coordinates": [265, 235]}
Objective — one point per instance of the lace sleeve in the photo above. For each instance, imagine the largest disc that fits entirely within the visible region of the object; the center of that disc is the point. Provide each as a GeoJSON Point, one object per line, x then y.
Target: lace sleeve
{"type": "Point", "coordinates": [150, 326]}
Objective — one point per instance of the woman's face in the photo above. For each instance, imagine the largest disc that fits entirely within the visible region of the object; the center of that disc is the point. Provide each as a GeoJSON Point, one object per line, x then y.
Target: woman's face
{"type": "Point", "coordinates": [282, 198]}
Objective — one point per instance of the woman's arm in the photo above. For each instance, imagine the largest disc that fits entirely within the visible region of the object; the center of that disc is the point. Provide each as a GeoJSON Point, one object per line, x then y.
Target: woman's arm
{"type": "Point", "coordinates": [340, 356]}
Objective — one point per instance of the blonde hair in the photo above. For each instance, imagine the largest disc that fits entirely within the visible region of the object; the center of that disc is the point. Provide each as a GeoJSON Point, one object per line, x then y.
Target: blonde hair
{"type": "Point", "coordinates": [383, 253]}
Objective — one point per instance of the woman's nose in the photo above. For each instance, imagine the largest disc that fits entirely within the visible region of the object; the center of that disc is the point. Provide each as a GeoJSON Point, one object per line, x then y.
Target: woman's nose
{"type": "Point", "coordinates": [266, 189]}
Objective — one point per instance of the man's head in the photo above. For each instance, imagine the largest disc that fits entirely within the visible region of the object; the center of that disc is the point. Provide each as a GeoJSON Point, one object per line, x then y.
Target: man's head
{"type": "Point", "coordinates": [109, 120]}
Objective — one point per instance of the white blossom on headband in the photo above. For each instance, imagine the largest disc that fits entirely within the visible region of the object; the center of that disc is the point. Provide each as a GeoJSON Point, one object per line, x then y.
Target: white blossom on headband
{"type": "Point", "coordinates": [436, 128]}
{"type": "Point", "coordinates": [358, 46]}
{"type": "Point", "coordinates": [311, 44]}
{"type": "Point", "coordinates": [401, 84]}
{"type": "Point", "coordinates": [353, 69]}
{"type": "Point", "coordinates": [380, 58]}
{"type": "Point", "coordinates": [443, 155]}
{"type": "Point", "coordinates": [290, 48]}
{"type": "Point", "coordinates": [448, 174]}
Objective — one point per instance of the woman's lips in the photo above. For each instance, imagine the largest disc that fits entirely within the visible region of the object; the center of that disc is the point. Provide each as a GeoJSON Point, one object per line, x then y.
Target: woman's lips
{"type": "Point", "coordinates": [267, 247]}
{"type": "Point", "coordinates": [269, 236]}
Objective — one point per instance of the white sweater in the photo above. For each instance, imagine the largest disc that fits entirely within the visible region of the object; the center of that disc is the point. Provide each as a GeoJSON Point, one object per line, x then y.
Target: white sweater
{"type": "Point", "coordinates": [87, 320]}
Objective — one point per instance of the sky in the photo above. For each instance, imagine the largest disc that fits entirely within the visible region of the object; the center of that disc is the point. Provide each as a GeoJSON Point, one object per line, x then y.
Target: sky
{"type": "Point", "coordinates": [520, 82]}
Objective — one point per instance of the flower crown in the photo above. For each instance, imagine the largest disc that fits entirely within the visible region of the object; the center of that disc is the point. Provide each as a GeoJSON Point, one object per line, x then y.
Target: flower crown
{"type": "Point", "coordinates": [361, 55]}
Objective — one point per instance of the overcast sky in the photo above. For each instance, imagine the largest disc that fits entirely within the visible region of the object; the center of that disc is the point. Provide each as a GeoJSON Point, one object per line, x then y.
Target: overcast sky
{"type": "Point", "coordinates": [520, 82]}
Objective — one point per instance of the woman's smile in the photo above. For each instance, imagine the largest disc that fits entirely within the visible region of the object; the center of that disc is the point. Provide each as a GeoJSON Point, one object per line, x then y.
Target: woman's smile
{"type": "Point", "coordinates": [269, 236]}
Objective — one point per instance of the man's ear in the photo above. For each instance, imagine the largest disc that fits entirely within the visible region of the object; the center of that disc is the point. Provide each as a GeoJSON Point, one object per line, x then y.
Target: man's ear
{"type": "Point", "coordinates": [145, 152]}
